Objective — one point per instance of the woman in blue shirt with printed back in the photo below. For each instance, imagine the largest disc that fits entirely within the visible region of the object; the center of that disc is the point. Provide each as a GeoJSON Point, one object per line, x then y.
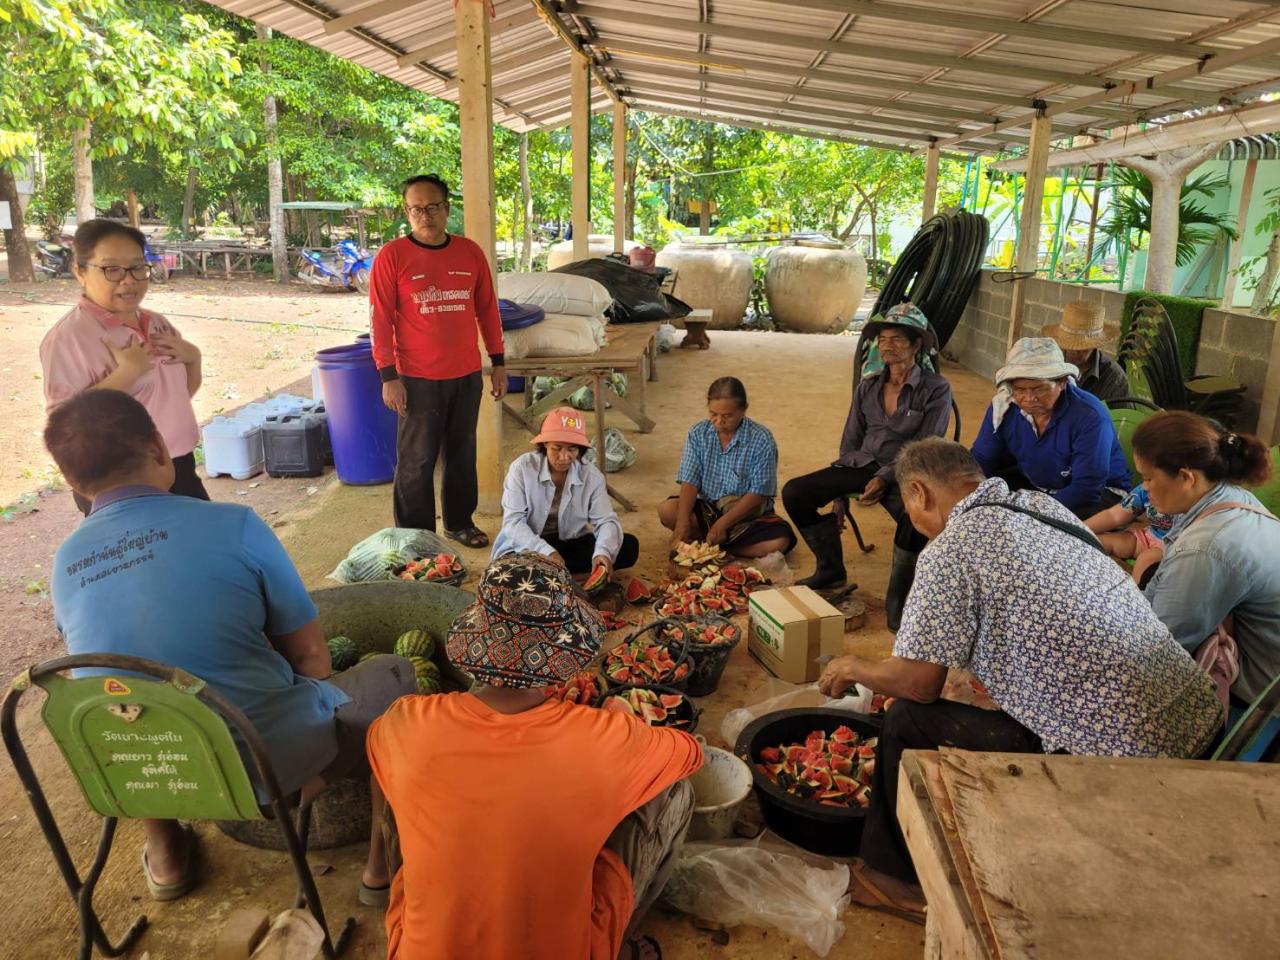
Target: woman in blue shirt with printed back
{"type": "Point", "coordinates": [728, 478]}
{"type": "Point", "coordinates": [556, 504]}
{"type": "Point", "coordinates": [1043, 432]}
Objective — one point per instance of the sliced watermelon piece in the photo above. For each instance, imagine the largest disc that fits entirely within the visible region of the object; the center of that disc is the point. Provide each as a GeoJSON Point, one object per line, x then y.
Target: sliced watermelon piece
{"type": "Point", "coordinates": [771, 755]}
{"type": "Point", "coordinates": [670, 700]}
{"type": "Point", "coordinates": [638, 591]}
{"type": "Point", "coordinates": [598, 580]}
{"type": "Point", "coordinates": [843, 734]}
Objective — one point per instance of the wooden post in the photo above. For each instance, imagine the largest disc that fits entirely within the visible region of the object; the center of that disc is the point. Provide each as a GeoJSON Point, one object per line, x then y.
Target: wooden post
{"type": "Point", "coordinates": [1029, 226]}
{"type": "Point", "coordinates": [931, 157]}
{"type": "Point", "coordinates": [580, 123]}
{"type": "Point", "coordinates": [619, 177]}
{"type": "Point", "coordinates": [135, 215]}
{"type": "Point", "coordinates": [275, 178]}
{"type": "Point", "coordinates": [475, 110]}
{"type": "Point", "coordinates": [1237, 245]}
{"type": "Point", "coordinates": [1269, 415]}
{"type": "Point", "coordinates": [526, 199]}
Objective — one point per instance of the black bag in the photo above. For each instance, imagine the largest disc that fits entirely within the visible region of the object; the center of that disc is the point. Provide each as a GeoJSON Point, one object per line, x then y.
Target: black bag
{"type": "Point", "coordinates": [637, 297]}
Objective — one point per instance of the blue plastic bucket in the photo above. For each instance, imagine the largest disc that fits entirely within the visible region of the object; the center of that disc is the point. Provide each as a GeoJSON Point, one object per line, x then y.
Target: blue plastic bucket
{"type": "Point", "coordinates": [361, 428]}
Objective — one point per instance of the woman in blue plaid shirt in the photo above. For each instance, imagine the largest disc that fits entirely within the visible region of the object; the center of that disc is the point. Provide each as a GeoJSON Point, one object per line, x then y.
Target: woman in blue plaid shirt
{"type": "Point", "coordinates": [728, 478]}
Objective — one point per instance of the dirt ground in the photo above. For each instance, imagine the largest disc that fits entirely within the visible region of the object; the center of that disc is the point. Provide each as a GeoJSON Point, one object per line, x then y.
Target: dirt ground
{"type": "Point", "coordinates": [798, 387]}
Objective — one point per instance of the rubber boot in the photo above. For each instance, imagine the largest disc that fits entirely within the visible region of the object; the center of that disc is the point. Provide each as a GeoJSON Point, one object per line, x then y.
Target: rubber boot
{"type": "Point", "coordinates": [823, 539]}
{"type": "Point", "coordinates": [901, 575]}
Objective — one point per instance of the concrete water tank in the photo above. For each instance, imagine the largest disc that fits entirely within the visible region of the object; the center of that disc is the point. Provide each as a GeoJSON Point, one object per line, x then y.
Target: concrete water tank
{"type": "Point", "coordinates": [713, 277]}
{"type": "Point", "coordinates": [599, 245]}
{"type": "Point", "coordinates": [814, 286]}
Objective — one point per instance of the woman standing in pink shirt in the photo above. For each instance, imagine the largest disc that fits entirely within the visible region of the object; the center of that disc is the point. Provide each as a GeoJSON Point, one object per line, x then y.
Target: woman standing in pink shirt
{"type": "Point", "coordinates": [108, 342]}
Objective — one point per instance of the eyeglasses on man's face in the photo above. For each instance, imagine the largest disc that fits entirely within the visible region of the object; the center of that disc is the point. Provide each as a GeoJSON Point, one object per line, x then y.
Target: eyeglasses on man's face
{"type": "Point", "coordinates": [430, 210]}
{"type": "Point", "coordinates": [116, 273]}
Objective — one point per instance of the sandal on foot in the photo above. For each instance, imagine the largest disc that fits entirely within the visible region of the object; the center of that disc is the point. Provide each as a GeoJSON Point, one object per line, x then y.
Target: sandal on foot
{"type": "Point", "coordinates": [374, 896]}
{"type": "Point", "coordinates": [882, 901]}
{"type": "Point", "coordinates": [653, 945]}
{"type": "Point", "coordinates": [180, 888]}
{"type": "Point", "coordinates": [472, 537]}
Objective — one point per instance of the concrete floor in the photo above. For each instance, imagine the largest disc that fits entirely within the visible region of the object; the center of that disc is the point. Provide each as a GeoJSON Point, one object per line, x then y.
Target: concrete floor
{"type": "Point", "coordinates": [799, 388]}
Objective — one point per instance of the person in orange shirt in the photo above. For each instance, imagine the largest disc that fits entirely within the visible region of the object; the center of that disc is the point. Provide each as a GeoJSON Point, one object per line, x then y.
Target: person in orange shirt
{"type": "Point", "coordinates": [528, 827]}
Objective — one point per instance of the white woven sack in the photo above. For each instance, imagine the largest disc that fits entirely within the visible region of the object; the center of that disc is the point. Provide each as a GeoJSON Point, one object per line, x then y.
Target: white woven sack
{"type": "Point", "coordinates": [559, 335]}
{"type": "Point", "coordinates": [556, 292]}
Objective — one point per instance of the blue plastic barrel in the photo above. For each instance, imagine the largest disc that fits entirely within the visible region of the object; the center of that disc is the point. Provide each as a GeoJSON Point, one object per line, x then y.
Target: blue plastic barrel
{"type": "Point", "coordinates": [361, 428]}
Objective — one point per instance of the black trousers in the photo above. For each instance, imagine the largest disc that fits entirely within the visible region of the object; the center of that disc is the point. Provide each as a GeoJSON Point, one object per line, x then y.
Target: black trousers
{"type": "Point", "coordinates": [186, 482]}
{"type": "Point", "coordinates": [926, 726]}
{"type": "Point", "coordinates": [580, 551]}
{"type": "Point", "coordinates": [440, 420]}
{"type": "Point", "coordinates": [804, 496]}
{"type": "Point", "coordinates": [1107, 499]}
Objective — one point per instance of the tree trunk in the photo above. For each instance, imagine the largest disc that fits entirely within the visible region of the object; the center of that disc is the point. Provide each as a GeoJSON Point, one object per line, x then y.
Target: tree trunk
{"type": "Point", "coordinates": [704, 212]}
{"type": "Point", "coordinates": [135, 217]}
{"type": "Point", "coordinates": [1262, 295]}
{"type": "Point", "coordinates": [83, 166]}
{"type": "Point", "coordinates": [15, 240]}
{"type": "Point", "coordinates": [1166, 173]}
{"type": "Point", "coordinates": [1093, 220]}
{"type": "Point", "coordinates": [630, 205]}
{"type": "Point", "coordinates": [875, 247]}
{"type": "Point", "coordinates": [526, 200]}
{"type": "Point", "coordinates": [189, 201]}
{"type": "Point", "coordinates": [275, 178]}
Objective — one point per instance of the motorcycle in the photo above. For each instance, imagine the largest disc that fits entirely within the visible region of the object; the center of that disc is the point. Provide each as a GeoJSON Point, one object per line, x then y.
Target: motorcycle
{"type": "Point", "coordinates": [53, 259]}
{"type": "Point", "coordinates": [159, 268]}
{"type": "Point", "coordinates": [346, 266]}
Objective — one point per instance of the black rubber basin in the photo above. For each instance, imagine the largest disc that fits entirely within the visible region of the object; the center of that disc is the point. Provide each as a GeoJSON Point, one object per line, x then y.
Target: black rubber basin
{"type": "Point", "coordinates": [831, 831]}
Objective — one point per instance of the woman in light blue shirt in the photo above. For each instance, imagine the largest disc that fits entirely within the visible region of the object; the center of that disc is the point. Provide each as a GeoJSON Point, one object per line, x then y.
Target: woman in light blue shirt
{"type": "Point", "coordinates": [556, 505]}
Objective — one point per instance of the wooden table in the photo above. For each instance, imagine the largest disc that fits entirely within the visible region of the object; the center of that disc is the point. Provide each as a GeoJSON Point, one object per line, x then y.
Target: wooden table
{"type": "Point", "coordinates": [631, 349]}
{"type": "Point", "coordinates": [1045, 857]}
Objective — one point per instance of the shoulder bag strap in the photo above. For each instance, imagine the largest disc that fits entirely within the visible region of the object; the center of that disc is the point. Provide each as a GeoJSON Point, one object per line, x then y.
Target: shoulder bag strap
{"type": "Point", "coordinates": [1062, 525]}
{"type": "Point", "coordinates": [1234, 505]}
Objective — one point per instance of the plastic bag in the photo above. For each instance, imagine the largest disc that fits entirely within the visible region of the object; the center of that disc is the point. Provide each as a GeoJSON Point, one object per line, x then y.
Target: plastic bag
{"type": "Point", "coordinates": [618, 452]}
{"type": "Point", "coordinates": [774, 566]}
{"type": "Point", "coordinates": [764, 882]}
{"type": "Point", "coordinates": [785, 696]}
{"type": "Point", "coordinates": [374, 557]}
{"type": "Point", "coordinates": [666, 337]}
{"type": "Point", "coordinates": [582, 399]}
{"type": "Point", "coordinates": [636, 294]}
{"type": "Point", "coordinates": [294, 935]}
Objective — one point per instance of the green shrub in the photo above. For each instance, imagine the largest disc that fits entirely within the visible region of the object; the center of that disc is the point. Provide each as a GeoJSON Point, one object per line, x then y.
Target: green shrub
{"type": "Point", "coordinates": [1186, 315]}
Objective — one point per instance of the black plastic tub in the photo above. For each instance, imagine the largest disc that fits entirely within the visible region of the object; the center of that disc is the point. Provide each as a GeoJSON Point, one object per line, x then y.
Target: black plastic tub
{"type": "Point", "coordinates": [831, 831]}
{"type": "Point", "coordinates": [686, 715]}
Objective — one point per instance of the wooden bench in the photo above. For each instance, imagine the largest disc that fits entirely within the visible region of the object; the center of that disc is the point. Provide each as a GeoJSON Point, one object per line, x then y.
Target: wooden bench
{"type": "Point", "coordinates": [631, 349]}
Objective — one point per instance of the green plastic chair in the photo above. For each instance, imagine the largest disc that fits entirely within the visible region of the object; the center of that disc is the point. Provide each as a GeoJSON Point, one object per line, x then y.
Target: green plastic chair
{"type": "Point", "coordinates": [148, 741]}
{"type": "Point", "coordinates": [1126, 420]}
{"type": "Point", "coordinates": [1252, 726]}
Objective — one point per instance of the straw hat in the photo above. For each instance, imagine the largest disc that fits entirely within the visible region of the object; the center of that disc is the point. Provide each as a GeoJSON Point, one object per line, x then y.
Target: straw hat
{"type": "Point", "coordinates": [1082, 327]}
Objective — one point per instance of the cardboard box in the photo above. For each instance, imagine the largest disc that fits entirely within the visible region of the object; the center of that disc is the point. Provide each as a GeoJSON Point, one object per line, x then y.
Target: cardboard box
{"type": "Point", "coordinates": [790, 629]}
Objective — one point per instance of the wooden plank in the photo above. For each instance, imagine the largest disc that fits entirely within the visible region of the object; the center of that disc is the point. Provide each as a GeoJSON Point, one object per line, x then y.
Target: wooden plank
{"type": "Point", "coordinates": [949, 919]}
{"type": "Point", "coordinates": [580, 129]}
{"type": "Point", "coordinates": [624, 406]}
{"type": "Point", "coordinates": [619, 176]}
{"type": "Point", "coordinates": [1269, 417]}
{"type": "Point", "coordinates": [1071, 853]}
{"type": "Point", "coordinates": [598, 398]}
{"type": "Point", "coordinates": [1029, 230]}
{"type": "Point", "coordinates": [1237, 245]}
{"type": "Point", "coordinates": [930, 204]}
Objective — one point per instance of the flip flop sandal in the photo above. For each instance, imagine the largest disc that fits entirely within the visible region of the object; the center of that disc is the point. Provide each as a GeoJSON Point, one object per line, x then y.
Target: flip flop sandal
{"type": "Point", "coordinates": [472, 537]}
{"type": "Point", "coordinates": [374, 896]}
{"type": "Point", "coordinates": [653, 945]}
{"type": "Point", "coordinates": [164, 892]}
{"type": "Point", "coordinates": [884, 902]}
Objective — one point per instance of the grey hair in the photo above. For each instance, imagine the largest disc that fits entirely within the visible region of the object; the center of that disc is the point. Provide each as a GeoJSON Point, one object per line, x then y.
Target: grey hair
{"type": "Point", "coordinates": [943, 462]}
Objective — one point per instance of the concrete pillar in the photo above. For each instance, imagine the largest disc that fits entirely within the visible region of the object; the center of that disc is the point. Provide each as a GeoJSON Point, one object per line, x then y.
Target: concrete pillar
{"type": "Point", "coordinates": [619, 176]}
{"type": "Point", "coordinates": [930, 205]}
{"type": "Point", "coordinates": [1029, 228]}
{"type": "Point", "coordinates": [580, 125]}
{"type": "Point", "coordinates": [1237, 245]}
{"type": "Point", "coordinates": [475, 110]}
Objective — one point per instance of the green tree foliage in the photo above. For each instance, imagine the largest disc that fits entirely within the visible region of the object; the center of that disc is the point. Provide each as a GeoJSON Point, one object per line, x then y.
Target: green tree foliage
{"type": "Point", "coordinates": [1131, 212]}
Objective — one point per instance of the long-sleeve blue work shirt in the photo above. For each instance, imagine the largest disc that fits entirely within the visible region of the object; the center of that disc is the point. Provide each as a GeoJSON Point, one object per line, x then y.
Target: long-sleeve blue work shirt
{"type": "Point", "coordinates": [528, 494]}
{"type": "Point", "coordinates": [1074, 460]}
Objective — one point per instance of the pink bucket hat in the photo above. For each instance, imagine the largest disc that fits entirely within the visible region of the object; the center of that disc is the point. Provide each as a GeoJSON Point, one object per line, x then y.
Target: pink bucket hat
{"type": "Point", "coordinates": [563, 425]}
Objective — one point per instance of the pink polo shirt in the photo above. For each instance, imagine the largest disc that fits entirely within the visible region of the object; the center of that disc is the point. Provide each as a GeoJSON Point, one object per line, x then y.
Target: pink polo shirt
{"type": "Point", "coordinates": [75, 356]}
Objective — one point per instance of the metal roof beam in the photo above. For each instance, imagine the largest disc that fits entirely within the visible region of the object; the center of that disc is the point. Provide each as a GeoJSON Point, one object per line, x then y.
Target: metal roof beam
{"type": "Point", "coordinates": [795, 72]}
{"type": "Point", "coordinates": [448, 42]}
{"type": "Point", "coordinates": [869, 51]}
{"type": "Point", "coordinates": [1152, 84]}
{"type": "Point", "coordinates": [552, 20]}
{"type": "Point", "coordinates": [367, 14]}
{"type": "Point", "coordinates": [826, 111]}
{"type": "Point", "coordinates": [960, 18]}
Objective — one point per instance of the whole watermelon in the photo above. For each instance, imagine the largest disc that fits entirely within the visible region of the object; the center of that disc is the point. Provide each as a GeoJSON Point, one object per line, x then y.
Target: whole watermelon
{"type": "Point", "coordinates": [427, 674]}
{"type": "Point", "coordinates": [342, 651]}
{"type": "Point", "coordinates": [415, 643]}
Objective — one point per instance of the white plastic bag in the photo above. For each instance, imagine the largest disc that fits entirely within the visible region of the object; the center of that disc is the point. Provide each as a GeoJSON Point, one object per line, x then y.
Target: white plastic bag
{"type": "Point", "coordinates": [774, 566]}
{"type": "Point", "coordinates": [374, 557]}
{"type": "Point", "coordinates": [557, 292]}
{"type": "Point", "coordinates": [558, 335]}
{"type": "Point", "coordinates": [786, 696]}
{"type": "Point", "coordinates": [666, 337]}
{"type": "Point", "coordinates": [763, 882]}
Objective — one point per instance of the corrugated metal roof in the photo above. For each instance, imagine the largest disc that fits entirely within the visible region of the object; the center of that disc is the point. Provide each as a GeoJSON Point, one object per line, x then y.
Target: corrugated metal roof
{"type": "Point", "coordinates": [897, 73]}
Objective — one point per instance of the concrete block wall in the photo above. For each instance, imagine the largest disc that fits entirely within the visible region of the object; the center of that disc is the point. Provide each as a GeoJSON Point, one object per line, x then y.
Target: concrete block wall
{"type": "Point", "coordinates": [1236, 345]}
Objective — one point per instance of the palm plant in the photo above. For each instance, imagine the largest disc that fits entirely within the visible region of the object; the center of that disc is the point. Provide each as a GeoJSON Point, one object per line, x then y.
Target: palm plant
{"type": "Point", "coordinates": [1131, 212]}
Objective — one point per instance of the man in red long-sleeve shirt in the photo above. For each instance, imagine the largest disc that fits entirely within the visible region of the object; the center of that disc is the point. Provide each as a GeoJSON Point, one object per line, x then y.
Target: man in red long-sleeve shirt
{"type": "Point", "coordinates": [428, 292]}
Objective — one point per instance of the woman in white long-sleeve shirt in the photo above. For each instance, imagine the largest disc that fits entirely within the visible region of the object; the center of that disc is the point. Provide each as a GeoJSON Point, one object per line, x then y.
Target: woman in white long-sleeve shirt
{"type": "Point", "coordinates": [556, 505]}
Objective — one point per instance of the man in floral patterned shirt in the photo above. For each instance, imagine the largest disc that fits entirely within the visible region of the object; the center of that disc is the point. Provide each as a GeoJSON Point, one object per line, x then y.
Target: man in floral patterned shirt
{"type": "Point", "coordinates": [1059, 635]}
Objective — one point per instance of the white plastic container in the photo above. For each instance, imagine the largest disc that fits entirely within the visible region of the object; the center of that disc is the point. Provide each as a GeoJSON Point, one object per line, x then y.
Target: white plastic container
{"type": "Point", "coordinates": [317, 391]}
{"type": "Point", "coordinates": [233, 447]}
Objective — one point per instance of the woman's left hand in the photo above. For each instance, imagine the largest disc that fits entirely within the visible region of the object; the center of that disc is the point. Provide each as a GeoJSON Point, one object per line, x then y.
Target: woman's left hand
{"type": "Point", "coordinates": [599, 562]}
{"type": "Point", "coordinates": [874, 491]}
{"type": "Point", "coordinates": [718, 533]}
{"type": "Point", "coordinates": [173, 346]}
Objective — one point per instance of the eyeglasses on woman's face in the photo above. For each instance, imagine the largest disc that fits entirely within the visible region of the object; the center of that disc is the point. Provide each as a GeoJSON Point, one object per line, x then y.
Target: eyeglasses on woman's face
{"type": "Point", "coordinates": [115, 273]}
{"type": "Point", "coordinates": [430, 210]}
